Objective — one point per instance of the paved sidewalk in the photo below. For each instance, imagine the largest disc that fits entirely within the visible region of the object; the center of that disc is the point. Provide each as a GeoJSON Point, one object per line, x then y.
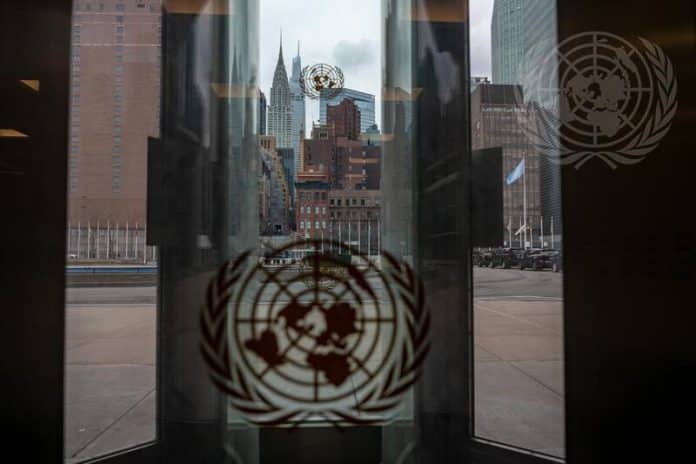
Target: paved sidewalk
{"type": "Point", "coordinates": [110, 379]}
{"type": "Point", "coordinates": [519, 373]}
{"type": "Point", "coordinates": [110, 384]}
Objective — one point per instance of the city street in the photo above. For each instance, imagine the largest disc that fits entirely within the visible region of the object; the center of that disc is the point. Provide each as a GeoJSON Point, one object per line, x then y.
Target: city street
{"type": "Point", "coordinates": [110, 385]}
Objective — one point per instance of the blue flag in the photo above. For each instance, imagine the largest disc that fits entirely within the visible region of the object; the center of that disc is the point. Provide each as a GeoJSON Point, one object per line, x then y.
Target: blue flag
{"type": "Point", "coordinates": [516, 173]}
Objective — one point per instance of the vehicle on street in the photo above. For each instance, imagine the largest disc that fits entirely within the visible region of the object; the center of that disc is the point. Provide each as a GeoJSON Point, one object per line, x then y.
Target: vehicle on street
{"type": "Point", "coordinates": [482, 258]}
{"type": "Point", "coordinates": [506, 257]}
{"type": "Point", "coordinates": [538, 260]}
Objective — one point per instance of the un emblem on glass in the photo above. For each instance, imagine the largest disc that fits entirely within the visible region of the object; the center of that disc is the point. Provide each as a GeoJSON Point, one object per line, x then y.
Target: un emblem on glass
{"type": "Point", "coordinates": [597, 95]}
{"type": "Point", "coordinates": [315, 331]}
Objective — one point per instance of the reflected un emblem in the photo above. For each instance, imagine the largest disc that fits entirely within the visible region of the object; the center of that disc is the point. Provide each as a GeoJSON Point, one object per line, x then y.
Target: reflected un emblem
{"type": "Point", "coordinates": [598, 95]}
{"type": "Point", "coordinates": [321, 78]}
{"type": "Point", "coordinates": [288, 348]}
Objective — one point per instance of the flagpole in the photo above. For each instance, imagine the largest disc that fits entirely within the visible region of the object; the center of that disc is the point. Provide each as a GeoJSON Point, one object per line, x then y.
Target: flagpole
{"type": "Point", "coordinates": [524, 199]}
{"type": "Point", "coordinates": [542, 231]}
{"type": "Point", "coordinates": [510, 232]}
{"type": "Point", "coordinates": [108, 239]}
{"type": "Point", "coordinates": [79, 236]}
{"type": "Point", "coordinates": [358, 235]}
{"type": "Point", "coordinates": [521, 232]}
{"type": "Point", "coordinates": [369, 244]}
{"type": "Point", "coordinates": [553, 245]}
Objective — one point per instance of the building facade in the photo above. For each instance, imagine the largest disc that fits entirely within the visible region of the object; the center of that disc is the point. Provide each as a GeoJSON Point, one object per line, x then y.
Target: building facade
{"type": "Point", "coordinates": [280, 110]}
{"type": "Point", "coordinates": [345, 117]}
{"type": "Point", "coordinates": [497, 120]}
{"type": "Point", "coordinates": [541, 37]}
{"type": "Point", "coordinates": [263, 108]}
{"type": "Point", "coordinates": [507, 41]}
{"type": "Point", "coordinates": [114, 108]}
{"type": "Point", "coordinates": [355, 218]}
{"type": "Point", "coordinates": [363, 100]}
{"type": "Point", "coordinates": [297, 99]}
{"type": "Point", "coordinates": [312, 211]}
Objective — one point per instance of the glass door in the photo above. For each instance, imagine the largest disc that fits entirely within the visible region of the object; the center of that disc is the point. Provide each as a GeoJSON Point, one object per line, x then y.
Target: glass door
{"type": "Point", "coordinates": [275, 210]}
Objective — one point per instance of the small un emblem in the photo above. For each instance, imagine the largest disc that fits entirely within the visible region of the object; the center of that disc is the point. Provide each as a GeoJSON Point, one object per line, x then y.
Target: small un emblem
{"type": "Point", "coordinates": [328, 335]}
{"type": "Point", "coordinates": [321, 79]}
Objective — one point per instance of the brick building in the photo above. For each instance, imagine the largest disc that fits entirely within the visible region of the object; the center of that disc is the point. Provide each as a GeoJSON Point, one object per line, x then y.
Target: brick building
{"type": "Point", "coordinates": [345, 118]}
{"type": "Point", "coordinates": [114, 108]}
{"type": "Point", "coordinates": [312, 209]}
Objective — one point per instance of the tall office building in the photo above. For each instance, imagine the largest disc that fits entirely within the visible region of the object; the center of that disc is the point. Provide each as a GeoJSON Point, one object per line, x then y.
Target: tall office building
{"type": "Point", "coordinates": [540, 40]}
{"type": "Point", "coordinates": [507, 41]}
{"type": "Point", "coordinates": [280, 110]}
{"type": "Point", "coordinates": [114, 108]}
{"type": "Point", "coordinates": [363, 100]}
{"type": "Point", "coordinates": [263, 106]}
{"type": "Point", "coordinates": [497, 120]}
{"type": "Point", "coordinates": [298, 107]}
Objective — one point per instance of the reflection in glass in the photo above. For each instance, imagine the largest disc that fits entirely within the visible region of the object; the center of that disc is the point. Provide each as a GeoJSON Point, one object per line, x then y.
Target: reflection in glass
{"type": "Point", "coordinates": [518, 300]}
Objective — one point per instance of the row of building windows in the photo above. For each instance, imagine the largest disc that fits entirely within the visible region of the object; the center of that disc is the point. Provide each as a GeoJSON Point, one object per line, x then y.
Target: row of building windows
{"type": "Point", "coordinates": [352, 214]}
{"type": "Point", "coordinates": [308, 196]}
{"type": "Point", "coordinates": [308, 225]}
{"type": "Point", "coordinates": [308, 210]}
{"type": "Point", "coordinates": [87, 6]}
{"type": "Point", "coordinates": [349, 202]}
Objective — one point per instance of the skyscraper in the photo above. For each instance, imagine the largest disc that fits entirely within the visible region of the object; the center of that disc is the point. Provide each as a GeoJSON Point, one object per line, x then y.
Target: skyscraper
{"type": "Point", "coordinates": [540, 40]}
{"type": "Point", "coordinates": [507, 41]}
{"type": "Point", "coordinates": [114, 108]}
{"type": "Point", "coordinates": [280, 110]}
{"type": "Point", "coordinates": [263, 105]}
{"type": "Point", "coordinates": [298, 107]}
{"type": "Point", "coordinates": [497, 121]}
{"type": "Point", "coordinates": [363, 100]}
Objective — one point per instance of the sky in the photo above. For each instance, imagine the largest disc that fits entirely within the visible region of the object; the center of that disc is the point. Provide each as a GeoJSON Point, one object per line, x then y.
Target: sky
{"type": "Point", "coordinates": [350, 39]}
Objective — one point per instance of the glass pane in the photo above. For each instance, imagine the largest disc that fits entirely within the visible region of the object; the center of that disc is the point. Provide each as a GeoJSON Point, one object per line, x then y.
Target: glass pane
{"type": "Point", "coordinates": [518, 298]}
{"type": "Point", "coordinates": [112, 272]}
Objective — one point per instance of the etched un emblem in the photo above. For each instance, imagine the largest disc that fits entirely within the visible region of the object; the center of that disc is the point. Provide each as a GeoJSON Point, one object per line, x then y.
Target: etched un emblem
{"type": "Point", "coordinates": [288, 348]}
{"type": "Point", "coordinates": [320, 78]}
{"type": "Point", "coordinates": [596, 95]}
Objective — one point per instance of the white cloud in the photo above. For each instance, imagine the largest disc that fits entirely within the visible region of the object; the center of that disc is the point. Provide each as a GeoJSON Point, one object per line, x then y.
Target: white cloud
{"type": "Point", "coordinates": [353, 55]}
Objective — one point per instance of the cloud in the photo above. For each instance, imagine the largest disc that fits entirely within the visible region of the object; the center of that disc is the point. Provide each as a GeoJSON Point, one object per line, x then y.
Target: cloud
{"type": "Point", "coordinates": [351, 55]}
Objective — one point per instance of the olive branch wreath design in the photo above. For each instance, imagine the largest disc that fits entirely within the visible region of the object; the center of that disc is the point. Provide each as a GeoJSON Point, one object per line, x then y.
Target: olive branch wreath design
{"type": "Point", "coordinates": [544, 132]}
{"type": "Point", "coordinates": [230, 379]}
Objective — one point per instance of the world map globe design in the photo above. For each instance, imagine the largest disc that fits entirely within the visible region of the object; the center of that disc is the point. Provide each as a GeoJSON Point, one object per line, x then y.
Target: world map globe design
{"type": "Point", "coordinates": [594, 90]}
{"type": "Point", "coordinates": [310, 344]}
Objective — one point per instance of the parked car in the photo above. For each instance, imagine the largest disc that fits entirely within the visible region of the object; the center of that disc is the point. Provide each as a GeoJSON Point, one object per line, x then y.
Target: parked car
{"type": "Point", "coordinates": [538, 260]}
{"type": "Point", "coordinates": [481, 258]}
{"type": "Point", "coordinates": [506, 257]}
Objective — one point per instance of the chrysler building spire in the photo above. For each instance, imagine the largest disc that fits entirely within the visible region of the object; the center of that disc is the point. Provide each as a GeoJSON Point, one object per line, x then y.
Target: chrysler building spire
{"type": "Point", "coordinates": [280, 113]}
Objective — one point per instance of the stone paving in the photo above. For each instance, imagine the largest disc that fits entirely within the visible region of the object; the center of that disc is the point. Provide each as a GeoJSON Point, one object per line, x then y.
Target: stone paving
{"type": "Point", "coordinates": [110, 375]}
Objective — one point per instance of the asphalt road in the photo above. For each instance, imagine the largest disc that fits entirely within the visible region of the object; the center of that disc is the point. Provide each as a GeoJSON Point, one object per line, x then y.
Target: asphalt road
{"type": "Point", "coordinates": [488, 283]}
